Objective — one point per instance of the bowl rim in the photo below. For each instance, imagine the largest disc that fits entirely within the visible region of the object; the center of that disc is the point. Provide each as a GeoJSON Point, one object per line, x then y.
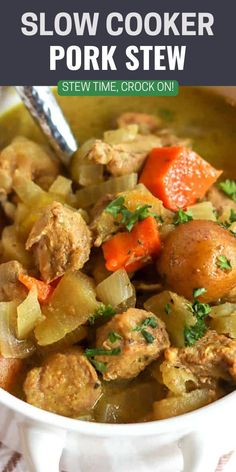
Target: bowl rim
{"type": "Point", "coordinates": [173, 424]}
{"type": "Point", "coordinates": [186, 421]}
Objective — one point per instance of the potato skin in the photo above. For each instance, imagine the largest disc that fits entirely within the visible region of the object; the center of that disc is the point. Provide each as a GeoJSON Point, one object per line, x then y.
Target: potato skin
{"type": "Point", "coordinates": [189, 260]}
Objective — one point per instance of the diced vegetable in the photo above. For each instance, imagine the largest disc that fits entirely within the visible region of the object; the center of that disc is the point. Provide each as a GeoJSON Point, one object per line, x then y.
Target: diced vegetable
{"type": "Point", "coordinates": [223, 319]}
{"type": "Point", "coordinates": [28, 314]}
{"type": "Point", "coordinates": [70, 339]}
{"type": "Point", "coordinates": [132, 250]}
{"type": "Point", "coordinates": [91, 194]}
{"type": "Point", "coordinates": [61, 186]}
{"type": "Point", "coordinates": [14, 248]}
{"type": "Point", "coordinates": [175, 312]}
{"type": "Point", "coordinates": [71, 305]}
{"type": "Point", "coordinates": [117, 136]}
{"type": "Point", "coordinates": [203, 211]}
{"type": "Point", "coordinates": [225, 325]}
{"type": "Point", "coordinates": [29, 192]}
{"type": "Point", "coordinates": [44, 290]}
{"type": "Point", "coordinates": [225, 309]}
{"type": "Point", "coordinates": [176, 378]}
{"type": "Point", "coordinates": [141, 196]}
{"type": "Point", "coordinates": [90, 174]}
{"type": "Point", "coordinates": [181, 404]}
{"type": "Point", "coordinates": [10, 346]}
{"type": "Point", "coordinates": [117, 290]}
{"type": "Point", "coordinates": [178, 176]}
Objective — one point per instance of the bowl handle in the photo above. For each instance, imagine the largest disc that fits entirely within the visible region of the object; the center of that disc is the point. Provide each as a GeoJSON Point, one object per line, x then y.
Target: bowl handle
{"type": "Point", "coordinates": [42, 447]}
{"type": "Point", "coordinates": [200, 451]}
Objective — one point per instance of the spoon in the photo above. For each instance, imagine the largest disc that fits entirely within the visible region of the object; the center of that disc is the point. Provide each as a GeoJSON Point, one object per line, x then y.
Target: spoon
{"type": "Point", "coordinates": [45, 110]}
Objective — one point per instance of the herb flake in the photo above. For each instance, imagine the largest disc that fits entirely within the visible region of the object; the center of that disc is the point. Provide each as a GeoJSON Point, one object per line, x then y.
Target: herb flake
{"type": "Point", "coordinates": [200, 311]}
{"type": "Point", "coordinates": [113, 336]}
{"type": "Point", "coordinates": [149, 338]}
{"type": "Point", "coordinates": [92, 352]}
{"type": "Point", "coordinates": [167, 309]}
{"type": "Point", "coordinates": [118, 209]}
{"type": "Point", "coordinates": [229, 188]}
{"type": "Point", "coordinates": [182, 216]}
{"type": "Point", "coordinates": [197, 292]}
{"type": "Point", "coordinates": [99, 366]}
{"type": "Point", "coordinates": [105, 311]}
{"type": "Point", "coordinates": [223, 263]}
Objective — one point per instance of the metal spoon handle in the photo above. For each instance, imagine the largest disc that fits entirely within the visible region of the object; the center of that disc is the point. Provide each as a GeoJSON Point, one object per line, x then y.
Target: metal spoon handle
{"type": "Point", "coordinates": [44, 108]}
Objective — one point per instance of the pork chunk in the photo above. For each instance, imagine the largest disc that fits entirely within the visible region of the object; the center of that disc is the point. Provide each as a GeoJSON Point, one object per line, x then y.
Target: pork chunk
{"type": "Point", "coordinates": [66, 384]}
{"type": "Point", "coordinates": [10, 287]}
{"type": "Point", "coordinates": [146, 123]}
{"type": "Point", "coordinates": [141, 338]}
{"type": "Point", "coordinates": [212, 357]}
{"type": "Point", "coordinates": [60, 240]}
{"type": "Point", "coordinates": [30, 159]}
{"type": "Point", "coordinates": [126, 157]}
{"type": "Point", "coordinates": [9, 370]}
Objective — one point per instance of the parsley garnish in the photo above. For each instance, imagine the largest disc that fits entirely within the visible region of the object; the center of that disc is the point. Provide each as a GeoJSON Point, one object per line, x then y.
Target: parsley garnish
{"type": "Point", "coordinates": [232, 217]}
{"type": "Point", "coordinates": [149, 338]}
{"type": "Point", "coordinates": [102, 352]}
{"type": "Point", "coordinates": [150, 321]}
{"type": "Point", "coordinates": [224, 263]}
{"type": "Point", "coordinates": [200, 311]}
{"type": "Point", "coordinates": [128, 218]}
{"type": "Point", "coordinates": [229, 188]}
{"type": "Point", "coordinates": [182, 216]}
{"type": "Point", "coordinates": [167, 308]}
{"type": "Point", "coordinates": [106, 311]}
{"type": "Point", "coordinates": [99, 366]}
{"type": "Point", "coordinates": [197, 292]}
{"type": "Point", "coordinates": [113, 337]}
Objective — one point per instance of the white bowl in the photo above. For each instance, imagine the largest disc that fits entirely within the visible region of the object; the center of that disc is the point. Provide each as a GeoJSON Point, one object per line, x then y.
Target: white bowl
{"type": "Point", "coordinates": [202, 435]}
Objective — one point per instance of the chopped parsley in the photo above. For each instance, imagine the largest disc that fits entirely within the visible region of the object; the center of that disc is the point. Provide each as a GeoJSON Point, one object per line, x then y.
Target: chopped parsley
{"type": "Point", "coordinates": [92, 352]}
{"type": "Point", "coordinates": [113, 337]}
{"type": "Point", "coordinates": [232, 217]}
{"type": "Point", "coordinates": [149, 338]}
{"type": "Point", "coordinates": [223, 263]}
{"type": "Point", "coordinates": [126, 217]}
{"type": "Point", "coordinates": [114, 208]}
{"type": "Point", "coordinates": [197, 292]}
{"type": "Point", "coordinates": [167, 308]}
{"type": "Point", "coordinates": [99, 366]}
{"type": "Point", "coordinates": [182, 216]}
{"type": "Point", "coordinates": [106, 311]}
{"type": "Point", "coordinates": [200, 311]}
{"type": "Point", "coordinates": [229, 188]}
{"type": "Point", "coordinates": [193, 333]}
{"type": "Point", "coordinates": [150, 321]}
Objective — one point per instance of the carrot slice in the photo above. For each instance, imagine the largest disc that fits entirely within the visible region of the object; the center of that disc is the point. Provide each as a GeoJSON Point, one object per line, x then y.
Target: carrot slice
{"type": "Point", "coordinates": [44, 290]}
{"type": "Point", "coordinates": [178, 176]}
{"type": "Point", "coordinates": [132, 250]}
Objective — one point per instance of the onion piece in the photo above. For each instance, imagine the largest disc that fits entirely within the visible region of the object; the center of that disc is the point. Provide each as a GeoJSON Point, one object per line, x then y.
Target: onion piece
{"type": "Point", "coordinates": [117, 290]}
{"type": "Point", "coordinates": [117, 136]}
{"type": "Point", "coordinates": [225, 309]}
{"type": "Point", "coordinates": [61, 186]}
{"type": "Point", "coordinates": [203, 211]}
{"type": "Point", "coordinates": [91, 195]}
{"type": "Point", "coordinates": [27, 190]}
{"type": "Point", "coordinates": [10, 346]}
{"type": "Point", "coordinates": [28, 314]}
{"type": "Point", "coordinates": [90, 174]}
